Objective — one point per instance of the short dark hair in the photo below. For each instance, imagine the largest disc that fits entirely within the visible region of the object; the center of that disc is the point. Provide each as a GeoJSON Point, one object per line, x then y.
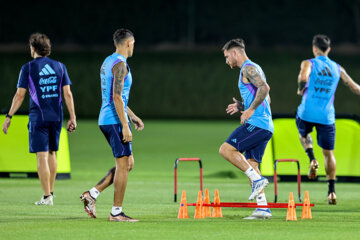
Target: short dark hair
{"type": "Point", "coordinates": [121, 34]}
{"type": "Point", "coordinates": [237, 42]}
{"type": "Point", "coordinates": [41, 44]}
{"type": "Point", "coordinates": [322, 42]}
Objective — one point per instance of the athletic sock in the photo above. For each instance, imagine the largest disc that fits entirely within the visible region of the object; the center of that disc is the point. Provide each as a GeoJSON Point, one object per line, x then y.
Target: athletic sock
{"type": "Point", "coordinates": [310, 153]}
{"type": "Point", "coordinates": [252, 174]}
{"type": "Point", "coordinates": [45, 197]}
{"type": "Point", "coordinates": [52, 193]}
{"type": "Point", "coordinates": [331, 184]}
{"type": "Point", "coordinates": [116, 210]}
{"type": "Point", "coordinates": [261, 200]}
{"type": "Point", "coordinates": [94, 193]}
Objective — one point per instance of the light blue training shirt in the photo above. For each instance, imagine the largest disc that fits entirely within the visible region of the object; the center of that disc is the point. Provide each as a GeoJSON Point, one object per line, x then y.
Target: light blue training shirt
{"type": "Point", "coordinates": [108, 114]}
{"type": "Point", "coordinates": [317, 104]}
{"type": "Point", "coordinates": [262, 115]}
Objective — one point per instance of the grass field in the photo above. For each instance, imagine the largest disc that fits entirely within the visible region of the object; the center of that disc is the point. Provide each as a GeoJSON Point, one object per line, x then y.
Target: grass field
{"type": "Point", "coordinates": [149, 195]}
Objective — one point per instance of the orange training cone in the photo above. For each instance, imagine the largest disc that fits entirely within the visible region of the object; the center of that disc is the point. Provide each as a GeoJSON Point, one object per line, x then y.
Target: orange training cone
{"type": "Point", "coordinates": [306, 211]}
{"type": "Point", "coordinates": [198, 208]}
{"type": "Point", "coordinates": [291, 212]}
{"type": "Point", "coordinates": [206, 210]}
{"type": "Point", "coordinates": [183, 210]}
{"type": "Point", "coordinates": [217, 210]}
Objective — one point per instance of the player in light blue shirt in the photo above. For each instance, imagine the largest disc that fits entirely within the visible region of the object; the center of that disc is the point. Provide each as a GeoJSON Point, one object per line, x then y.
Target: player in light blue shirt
{"type": "Point", "coordinates": [116, 80]}
{"type": "Point", "coordinates": [246, 145]}
{"type": "Point", "coordinates": [318, 80]}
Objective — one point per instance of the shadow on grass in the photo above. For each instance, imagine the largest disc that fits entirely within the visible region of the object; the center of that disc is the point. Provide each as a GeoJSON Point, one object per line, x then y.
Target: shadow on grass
{"type": "Point", "coordinates": [223, 174]}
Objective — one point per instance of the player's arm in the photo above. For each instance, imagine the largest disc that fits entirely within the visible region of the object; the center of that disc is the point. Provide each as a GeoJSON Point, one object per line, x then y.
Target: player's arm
{"type": "Point", "coordinates": [119, 72]}
{"type": "Point", "coordinates": [354, 87]}
{"type": "Point", "coordinates": [253, 75]}
{"type": "Point", "coordinates": [138, 123]}
{"type": "Point", "coordinates": [15, 105]}
{"type": "Point", "coordinates": [69, 101]}
{"type": "Point", "coordinates": [304, 74]}
{"type": "Point", "coordinates": [263, 89]}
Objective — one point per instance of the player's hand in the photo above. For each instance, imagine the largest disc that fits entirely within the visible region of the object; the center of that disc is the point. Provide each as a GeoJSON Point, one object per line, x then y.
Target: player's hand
{"type": "Point", "coordinates": [71, 125]}
{"type": "Point", "coordinates": [232, 108]}
{"type": "Point", "coordinates": [127, 135]}
{"type": "Point", "coordinates": [6, 125]}
{"type": "Point", "coordinates": [246, 115]}
{"type": "Point", "coordinates": [300, 93]}
{"type": "Point", "coordinates": [131, 163]}
{"type": "Point", "coordinates": [138, 123]}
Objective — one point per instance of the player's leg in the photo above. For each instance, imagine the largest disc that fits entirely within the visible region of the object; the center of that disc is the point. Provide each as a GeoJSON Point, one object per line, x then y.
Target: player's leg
{"type": "Point", "coordinates": [120, 182]}
{"type": "Point", "coordinates": [259, 213]}
{"type": "Point", "coordinates": [44, 177]}
{"type": "Point", "coordinates": [39, 144]}
{"type": "Point", "coordinates": [120, 179]}
{"type": "Point", "coordinates": [89, 197]}
{"type": "Point", "coordinates": [330, 168]}
{"type": "Point", "coordinates": [108, 179]}
{"type": "Point", "coordinates": [243, 138]}
{"type": "Point", "coordinates": [105, 182]}
{"type": "Point", "coordinates": [326, 140]}
{"type": "Point", "coordinates": [54, 137]}
{"type": "Point", "coordinates": [237, 159]}
{"type": "Point", "coordinates": [254, 157]}
{"type": "Point", "coordinates": [305, 128]}
{"type": "Point", "coordinates": [53, 169]}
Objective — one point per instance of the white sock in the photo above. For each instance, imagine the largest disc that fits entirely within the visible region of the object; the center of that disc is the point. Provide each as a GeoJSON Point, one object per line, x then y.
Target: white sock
{"type": "Point", "coordinates": [252, 174]}
{"type": "Point", "coordinates": [94, 193]}
{"type": "Point", "coordinates": [261, 200]}
{"type": "Point", "coordinates": [116, 210]}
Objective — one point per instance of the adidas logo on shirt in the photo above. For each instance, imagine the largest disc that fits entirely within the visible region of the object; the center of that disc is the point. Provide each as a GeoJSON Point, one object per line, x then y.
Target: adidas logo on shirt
{"type": "Point", "coordinates": [233, 140]}
{"type": "Point", "coordinates": [325, 72]}
{"type": "Point", "coordinates": [47, 70]}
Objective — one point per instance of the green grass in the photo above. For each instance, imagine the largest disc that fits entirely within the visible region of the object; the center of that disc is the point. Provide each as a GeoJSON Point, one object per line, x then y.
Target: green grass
{"type": "Point", "coordinates": [149, 194]}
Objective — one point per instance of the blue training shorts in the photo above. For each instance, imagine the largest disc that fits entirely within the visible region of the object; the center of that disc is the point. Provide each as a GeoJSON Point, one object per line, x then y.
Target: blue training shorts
{"type": "Point", "coordinates": [251, 140]}
{"type": "Point", "coordinates": [325, 132]}
{"type": "Point", "coordinates": [114, 136]}
{"type": "Point", "coordinates": [44, 136]}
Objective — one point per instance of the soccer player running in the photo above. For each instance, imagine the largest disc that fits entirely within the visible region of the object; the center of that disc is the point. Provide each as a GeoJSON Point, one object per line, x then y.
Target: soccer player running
{"type": "Point", "coordinates": [46, 79]}
{"type": "Point", "coordinates": [318, 80]}
{"type": "Point", "coordinates": [114, 123]}
{"type": "Point", "coordinates": [257, 125]}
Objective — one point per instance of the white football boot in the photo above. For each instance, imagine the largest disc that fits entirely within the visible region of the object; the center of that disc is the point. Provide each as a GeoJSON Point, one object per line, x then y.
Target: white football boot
{"type": "Point", "coordinates": [260, 214]}
{"type": "Point", "coordinates": [48, 201]}
{"type": "Point", "coordinates": [257, 187]}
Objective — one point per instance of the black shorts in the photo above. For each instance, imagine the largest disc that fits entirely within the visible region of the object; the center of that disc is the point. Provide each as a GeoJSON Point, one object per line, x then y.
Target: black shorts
{"type": "Point", "coordinates": [325, 132]}
{"type": "Point", "coordinates": [251, 140]}
{"type": "Point", "coordinates": [44, 136]}
{"type": "Point", "coordinates": [114, 136]}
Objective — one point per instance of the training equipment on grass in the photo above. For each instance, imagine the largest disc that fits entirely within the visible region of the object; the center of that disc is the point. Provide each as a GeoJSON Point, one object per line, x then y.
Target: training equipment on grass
{"type": "Point", "coordinates": [15, 159]}
{"type": "Point", "coordinates": [298, 177]}
{"type": "Point", "coordinates": [291, 212]}
{"type": "Point", "coordinates": [201, 206]}
{"type": "Point", "coordinates": [175, 173]}
{"type": "Point", "coordinates": [206, 209]}
{"type": "Point", "coordinates": [306, 211]}
{"type": "Point", "coordinates": [217, 212]}
{"type": "Point", "coordinates": [183, 210]}
{"type": "Point", "coordinates": [285, 144]}
{"type": "Point", "coordinates": [198, 207]}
